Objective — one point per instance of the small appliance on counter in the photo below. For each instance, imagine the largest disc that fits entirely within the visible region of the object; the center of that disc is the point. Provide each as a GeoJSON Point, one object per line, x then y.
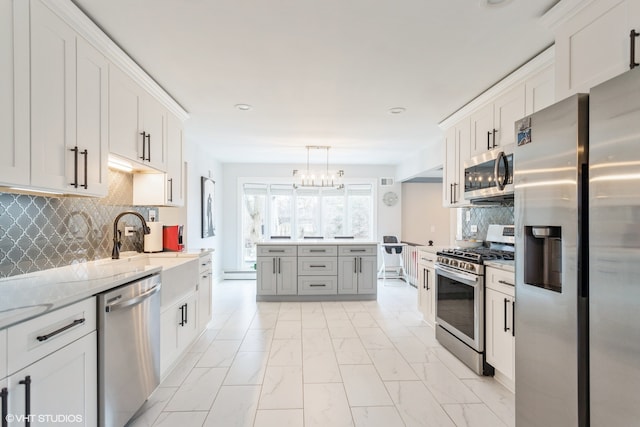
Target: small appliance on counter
{"type": "Point", "coordinates": [153, 240]}
{"type": "Point", "coordinates": [172, 238]}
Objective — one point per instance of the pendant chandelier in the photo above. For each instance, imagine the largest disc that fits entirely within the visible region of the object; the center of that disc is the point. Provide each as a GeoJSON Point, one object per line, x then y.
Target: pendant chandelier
{"type": "Point", "coordinates": [318, 178]}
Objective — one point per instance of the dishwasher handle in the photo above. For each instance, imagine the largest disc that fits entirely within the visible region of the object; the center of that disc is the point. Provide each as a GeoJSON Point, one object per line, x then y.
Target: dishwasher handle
{"type": "Point", "coordinates": [133, 301]}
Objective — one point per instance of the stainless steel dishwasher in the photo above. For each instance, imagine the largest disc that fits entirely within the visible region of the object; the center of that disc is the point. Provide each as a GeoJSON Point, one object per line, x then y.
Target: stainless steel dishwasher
{"type": "Point", "coordinates": [128, 349]}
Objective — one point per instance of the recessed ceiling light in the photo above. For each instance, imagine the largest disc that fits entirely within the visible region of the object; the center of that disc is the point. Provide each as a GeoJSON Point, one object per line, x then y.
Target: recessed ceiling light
{"type": "Point", "coordinates": [243, 107]}
{"type": "Point", "coordinates": [397, 110]}
{"type": "Point", "coordinates": [493, 3]}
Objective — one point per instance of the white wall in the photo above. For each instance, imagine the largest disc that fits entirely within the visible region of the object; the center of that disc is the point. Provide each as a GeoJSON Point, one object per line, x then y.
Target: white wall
{"type": "Point", "coordinates": [200, 161]}
{"type": "Point", "coordinates": [388, 218]}
{"type": "Point", "coordinates": [423, 217]}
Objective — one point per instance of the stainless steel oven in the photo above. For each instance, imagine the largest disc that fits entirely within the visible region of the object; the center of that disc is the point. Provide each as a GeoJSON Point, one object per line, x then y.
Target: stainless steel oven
{"type": "Point", "coordinates": [460, 305]}
{"type": "Point", "coordinates": [489, 175]}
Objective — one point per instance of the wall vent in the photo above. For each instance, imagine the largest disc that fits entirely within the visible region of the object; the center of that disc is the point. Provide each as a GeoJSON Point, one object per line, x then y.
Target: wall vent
{"type": "Point", "coordinates": [386, 182]}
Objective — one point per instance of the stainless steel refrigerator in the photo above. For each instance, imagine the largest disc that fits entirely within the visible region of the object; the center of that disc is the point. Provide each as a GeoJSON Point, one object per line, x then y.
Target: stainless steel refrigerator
{"type": "Point", "coordinates": [577, 214]}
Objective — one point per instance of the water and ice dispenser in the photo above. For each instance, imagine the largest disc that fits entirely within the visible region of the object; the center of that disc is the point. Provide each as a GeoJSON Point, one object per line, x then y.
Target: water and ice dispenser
{"type": "Point", "coordinates": [543, 257]}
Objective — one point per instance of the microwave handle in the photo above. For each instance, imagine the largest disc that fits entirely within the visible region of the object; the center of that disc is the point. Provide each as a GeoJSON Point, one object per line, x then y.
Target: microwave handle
{"type": "Point", "coordinates": [496, 166]}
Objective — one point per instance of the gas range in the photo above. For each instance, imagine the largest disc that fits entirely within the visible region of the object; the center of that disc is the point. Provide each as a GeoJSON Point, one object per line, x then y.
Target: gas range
{"type": "Point", "coordinates": [471, 260]}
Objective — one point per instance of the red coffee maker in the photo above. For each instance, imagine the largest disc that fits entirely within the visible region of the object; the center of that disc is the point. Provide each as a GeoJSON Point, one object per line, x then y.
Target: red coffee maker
{"type": "Point", "coordinates": [172, 238]}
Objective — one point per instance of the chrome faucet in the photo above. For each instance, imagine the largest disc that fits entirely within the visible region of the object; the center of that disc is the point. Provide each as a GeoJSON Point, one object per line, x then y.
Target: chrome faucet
{"type": "Point", "coordinates": [115, 254]}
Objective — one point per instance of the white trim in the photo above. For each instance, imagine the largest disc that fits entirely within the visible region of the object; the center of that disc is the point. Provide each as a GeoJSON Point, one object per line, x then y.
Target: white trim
{"type": "Point", "coordinates": [529, 69]}
{"type": "Point", "coordinates": [84, 26]}
{"type": "Point", "coordinates": [562, 12]}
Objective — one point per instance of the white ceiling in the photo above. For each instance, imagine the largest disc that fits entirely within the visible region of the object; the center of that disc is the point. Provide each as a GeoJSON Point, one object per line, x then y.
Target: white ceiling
{"type": "Point", "coordinates": [322, 72]}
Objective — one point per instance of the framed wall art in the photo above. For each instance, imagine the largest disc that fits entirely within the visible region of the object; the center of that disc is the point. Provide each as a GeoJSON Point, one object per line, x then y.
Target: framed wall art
{"type": "Point", "coordinates": [208, 197]}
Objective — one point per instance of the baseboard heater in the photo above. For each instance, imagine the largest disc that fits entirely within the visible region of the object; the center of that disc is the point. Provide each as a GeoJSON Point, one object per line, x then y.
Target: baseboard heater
{"type": "Point", "coordinates": [239, 275]}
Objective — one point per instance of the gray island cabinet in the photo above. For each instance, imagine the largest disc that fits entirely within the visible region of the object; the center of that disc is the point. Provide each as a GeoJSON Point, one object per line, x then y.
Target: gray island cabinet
{"type": "Point", "coordinates": [316, 271]}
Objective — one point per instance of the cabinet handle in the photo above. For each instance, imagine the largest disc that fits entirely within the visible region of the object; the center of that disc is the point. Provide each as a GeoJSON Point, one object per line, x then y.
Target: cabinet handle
{"type": "Point", "coordinates": [4, 394]}
{"type": "Point", "coordinates": [144, 146]}
{"type": "Point", "coordinates": [318, 284]}
{"type": "Point", "coordinates": [318, 266]}
{"type": "Point", "coordinates": [426, 277]}
{"type": "Point", "coordinates": [357, 250]}
{"type": "Point", "coordinates": [360, 262]}
{"type": "Point", "coordinates": [273, 251]}
{"type": "Point", "coordinates": [632, 51]}
{"type": "Point", "coordinates": [488, 140]}
{"type": "Point", "coordinates": [27, 399]}
{"type": "Point", "coordinates": [75, 167]}
{"type": "Point", "coordinates": [149, 147]}
{"type": "Point", "coordinates": [455, 186]}
{"type": "Point", "coordinates": [355, 266]}
{"type": "Point", "coordinates": [58, 331]}
{"type": "Point", "coordinates": [513, 318]}
{"type": "Point", "coordinates": [274, 266]}
{"type": "Point", "coordinates": [504, 282]}
{"type": "Point", "coordinates": [170, 189]}
{"type": "Point", "coordinates": [506, 328]}
{"type": "Point", "coordinates": [493, 144]}
{"type": "Point", "coordinates": [182, 321]}
{"type": "Point", "coordinates": [85, 153]}
{"type": "Point", "coordinates": [317, 250]}
{"type": "Point", "coordinates": [186, 313]}
{"type": "Point", "coordinates": [279, 270]}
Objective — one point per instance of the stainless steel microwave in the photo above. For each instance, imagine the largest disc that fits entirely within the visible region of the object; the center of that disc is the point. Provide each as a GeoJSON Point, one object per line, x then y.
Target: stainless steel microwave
{"type": "Point", "coordinates": [489, 175]}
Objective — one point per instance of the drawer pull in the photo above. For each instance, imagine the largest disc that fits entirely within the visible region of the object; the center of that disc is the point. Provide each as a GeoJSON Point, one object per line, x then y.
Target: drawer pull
{"type": "Point", "coordinates": [274, 251]}
{"type": "Point", "coordinates": [314, 285]}
{"type": "Point", "coordinates": [505, 282]}
{"type": "Point", "coordinates": [318, 250]}
{"type": "Point", "coordinates": [57, 331]}
{"type": "Point", "coordinates": [318, 266]}
{"type": "Point", "coordinates": [357, 250]}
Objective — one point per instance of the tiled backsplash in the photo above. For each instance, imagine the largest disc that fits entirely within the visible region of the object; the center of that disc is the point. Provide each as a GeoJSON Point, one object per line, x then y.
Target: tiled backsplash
{"type": "Point", "coordinates": [37, 232]}
{"type": "Point", "coordinates": [482, 217]}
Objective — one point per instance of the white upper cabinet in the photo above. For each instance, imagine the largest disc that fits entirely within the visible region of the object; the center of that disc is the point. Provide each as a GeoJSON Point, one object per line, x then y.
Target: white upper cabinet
{"type": "Point", "coordinates": [540, 90]}
{"type": "Point", "coordinates": [68, 108]}
{"type": "Point", "coordinates": [593, 42]}
{"type": "Point", "coordinates": [492, 125]}
{"type": "Point", "coordinates": [137, 122]}
{"type": "Point", "coordinates": [457, 150]}
{"type": "Point", "coordinates": [14, 110]}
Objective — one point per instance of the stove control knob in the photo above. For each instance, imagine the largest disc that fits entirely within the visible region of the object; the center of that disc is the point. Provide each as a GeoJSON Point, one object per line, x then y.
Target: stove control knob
{"type": "Point", "coordinates": [464, 265]}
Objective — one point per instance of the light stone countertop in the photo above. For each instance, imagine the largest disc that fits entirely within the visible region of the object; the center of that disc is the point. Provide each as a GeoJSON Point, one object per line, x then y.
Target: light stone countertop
{"type": "Point", "coordinates": [509, 266]}
{"type": "Point", "coordinates": [432, 249]}
{"type": "Point", "coordinates": [338, 242]}
{"type": "Point", "coordinates": [29, 295]}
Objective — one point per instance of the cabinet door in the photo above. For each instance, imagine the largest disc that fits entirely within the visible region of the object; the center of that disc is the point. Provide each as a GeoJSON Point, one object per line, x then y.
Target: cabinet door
{"type": "Point", "coordinates": [482, 130]}
{"type": "Point", "coordinates": [499, 340]}
{"type": "Point", "coordinates": [540, 90]}
{"type": "Point", "coordinates": [63, 383]}
{"type": "Point", "coordinates": [92, 119]}
{"type": "Point", "coordinates": [169, 324]}
{"type": "Point", "coordinates": [367, 277]}
{"type": "Point", "coordinates": [421, 283]}
{"type": "Point", "coordinates": [204, 299]}
{"type": "Point", "coordinates": [53, 98]}
{"type": "Point", "coordinates": [463, 153]}
{"type": "Point", "coordinates": [188, 327]}
{"type": "Point", "coordinates": [125, 109]}
{"type": "Point", "coordinates": [430, 303]}
{"type": "Point", "coordinates": [594, 46]}
{"type": "Point", "coordinates": [14, 75]}
{"type": "Point", "coordinates": [267, 278]}
{"type": "Point", "coordinates": [175, 195]}
{"type": "Point", "coordinates": [347, 275]}
{"type": "Point", "coordinates": [154, 119]}
{"type": "Point", "coordinates": [508, 108]}
{"type": "Point", "coordinates": [450, 166]}
{"type": "Point", "coordinates": [287, 283]}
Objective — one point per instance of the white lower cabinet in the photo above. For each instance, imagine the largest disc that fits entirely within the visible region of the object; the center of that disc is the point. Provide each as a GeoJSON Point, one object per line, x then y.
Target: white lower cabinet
{"type": "Point", "coordinates": [60, 388]}
{"type": "Point", "coordinates": [357, 275]}
{"type": "Point", "coordinates": [205, 304]}
{"type": "Point", "coordinates": [500, 333]}
{"type": "Point", "coordinates": [278, 275]}
{"type": "Point", "coordinates": [178, 329]}
{"type": "Point", "coordinates": [427, 286]}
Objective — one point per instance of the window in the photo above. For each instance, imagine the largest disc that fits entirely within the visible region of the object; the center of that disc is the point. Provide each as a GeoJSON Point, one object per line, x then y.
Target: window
{"type": "Point", "coordinates": [277, 210]}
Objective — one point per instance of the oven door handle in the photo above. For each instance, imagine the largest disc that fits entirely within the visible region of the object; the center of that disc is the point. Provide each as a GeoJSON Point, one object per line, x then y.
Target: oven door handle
{"type": "Point", "coordinates": [466, 278]}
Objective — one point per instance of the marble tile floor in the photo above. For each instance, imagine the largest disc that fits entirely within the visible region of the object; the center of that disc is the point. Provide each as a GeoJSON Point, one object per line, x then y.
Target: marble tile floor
{"type": "Point", "coordinates": [369, 363]}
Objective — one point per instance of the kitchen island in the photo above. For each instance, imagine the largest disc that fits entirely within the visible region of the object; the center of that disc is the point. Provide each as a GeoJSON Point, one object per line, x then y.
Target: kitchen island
{"type": "Point", "coordinates": [316, 270]}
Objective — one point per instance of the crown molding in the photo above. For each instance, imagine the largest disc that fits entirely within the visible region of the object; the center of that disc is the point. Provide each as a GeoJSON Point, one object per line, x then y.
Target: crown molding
{"type": "Point", "coordinates": [84, 26]}
{"type": "Point", "coordinates": [533, 66]}
{"type": "Point", "coordinates": [562, 12]}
